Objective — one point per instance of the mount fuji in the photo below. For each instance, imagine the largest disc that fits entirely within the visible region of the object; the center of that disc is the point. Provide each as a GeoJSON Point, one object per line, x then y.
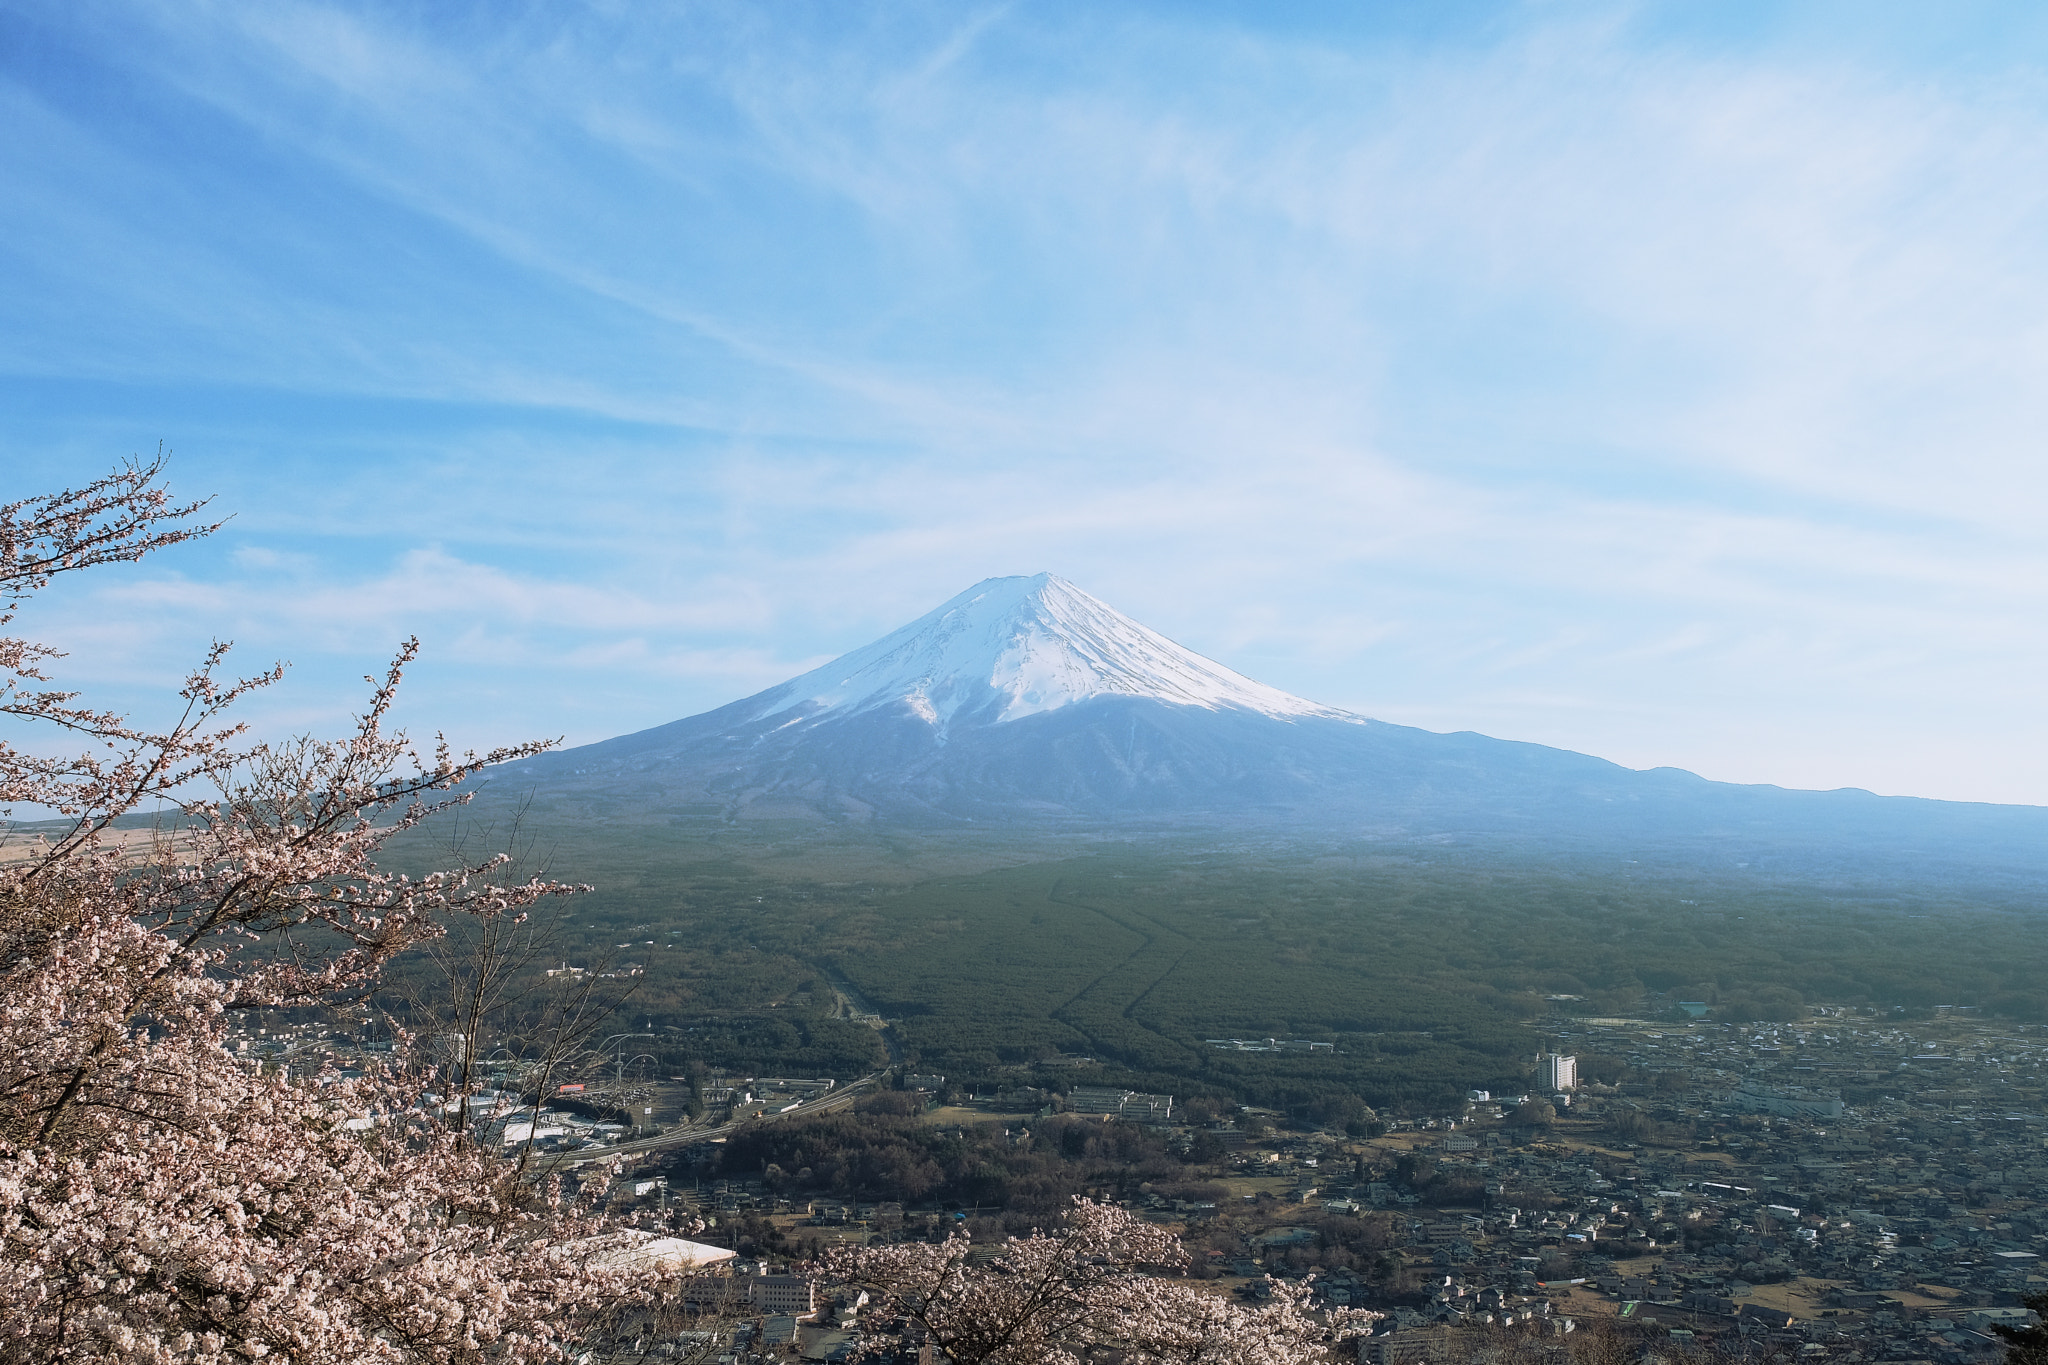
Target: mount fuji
{"type": "Point", "coordinates": [1024, 701]}
{"type": "Point", "coordinates": [1009, 648]}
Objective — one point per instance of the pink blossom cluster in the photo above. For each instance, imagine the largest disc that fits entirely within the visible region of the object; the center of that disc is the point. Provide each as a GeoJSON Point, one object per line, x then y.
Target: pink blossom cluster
{"type": "Point", "coordinates": [1099, 1283]}
{"type": "Point", "coordinates": [161, 1199]}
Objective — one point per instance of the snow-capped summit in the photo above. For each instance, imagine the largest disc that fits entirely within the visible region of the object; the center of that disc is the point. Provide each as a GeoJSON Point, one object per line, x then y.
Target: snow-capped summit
{"type": "Point", "coordinates": [1020, 694]}
{"type": "Point", "coordinates": [1008, 648]}
{"type": "Point", "coordinates": [1025, 700]}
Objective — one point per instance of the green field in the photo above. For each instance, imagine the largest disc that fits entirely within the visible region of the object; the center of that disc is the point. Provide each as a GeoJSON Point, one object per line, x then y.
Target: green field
{"type": "Point", "coordinates": [1004, 959]}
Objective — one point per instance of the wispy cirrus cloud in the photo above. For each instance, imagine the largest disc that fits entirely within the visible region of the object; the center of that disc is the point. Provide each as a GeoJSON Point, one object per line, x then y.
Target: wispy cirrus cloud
{"type": "Point", "coordinates": [1663, 392]}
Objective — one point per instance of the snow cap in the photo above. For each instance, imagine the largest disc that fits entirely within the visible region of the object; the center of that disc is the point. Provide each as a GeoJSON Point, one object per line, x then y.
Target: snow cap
{"type": "Point", "coordinates": [1013, 647]}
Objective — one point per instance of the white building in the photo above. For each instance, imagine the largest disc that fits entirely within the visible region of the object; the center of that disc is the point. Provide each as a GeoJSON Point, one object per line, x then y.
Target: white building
{"type": "Point", "coordinates": [1555, 1072]}
{"type": "Point", "coordinates": [796, 1295]}
{"type": "Point", "coordinates": [644, 1251]}
{"type": "Point", "coordinates": [1124, 1104]}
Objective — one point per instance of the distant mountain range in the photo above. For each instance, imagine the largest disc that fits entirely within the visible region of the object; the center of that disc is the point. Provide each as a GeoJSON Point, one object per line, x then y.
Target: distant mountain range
{"type": "Point", "coordinates": [1025, 701]}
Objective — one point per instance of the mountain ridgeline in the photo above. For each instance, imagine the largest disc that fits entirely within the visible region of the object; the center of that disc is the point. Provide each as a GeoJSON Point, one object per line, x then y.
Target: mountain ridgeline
{"type": "Point", "coordinates": [1024, 702]}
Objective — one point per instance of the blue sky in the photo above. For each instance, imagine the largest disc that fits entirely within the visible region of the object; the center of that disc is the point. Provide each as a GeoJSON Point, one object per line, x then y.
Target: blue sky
{"type": "Point", "coordinates": [1663, 382]}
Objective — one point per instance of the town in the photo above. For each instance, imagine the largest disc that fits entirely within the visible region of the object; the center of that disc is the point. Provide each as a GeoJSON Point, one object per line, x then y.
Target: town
{"type": "Point", "coordinates": [1846, 1187]}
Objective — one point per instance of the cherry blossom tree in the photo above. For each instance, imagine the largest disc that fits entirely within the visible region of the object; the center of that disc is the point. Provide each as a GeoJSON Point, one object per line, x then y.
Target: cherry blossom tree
{"type": "Point", "coordinates": [1095, 1284]}
{"type": "Point", "coordinates": [161, 1199]}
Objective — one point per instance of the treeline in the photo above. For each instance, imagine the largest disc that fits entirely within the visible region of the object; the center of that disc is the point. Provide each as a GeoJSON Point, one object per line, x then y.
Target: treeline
{"type": "Point", "coordinates": [782, 1043]}
{"type": "Point", "coordinates": [1028, 1170]}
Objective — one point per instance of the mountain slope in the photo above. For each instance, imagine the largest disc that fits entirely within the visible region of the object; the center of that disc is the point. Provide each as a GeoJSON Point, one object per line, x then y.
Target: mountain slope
{"type": "Point", "coordinates": [1026, 700]}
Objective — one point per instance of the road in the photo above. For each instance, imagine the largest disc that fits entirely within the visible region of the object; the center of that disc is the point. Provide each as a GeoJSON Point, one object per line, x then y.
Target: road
{"type": "Point", "coordinates": [850, 997]}
{"type": "Point", "coordinates": [839, 1097]}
